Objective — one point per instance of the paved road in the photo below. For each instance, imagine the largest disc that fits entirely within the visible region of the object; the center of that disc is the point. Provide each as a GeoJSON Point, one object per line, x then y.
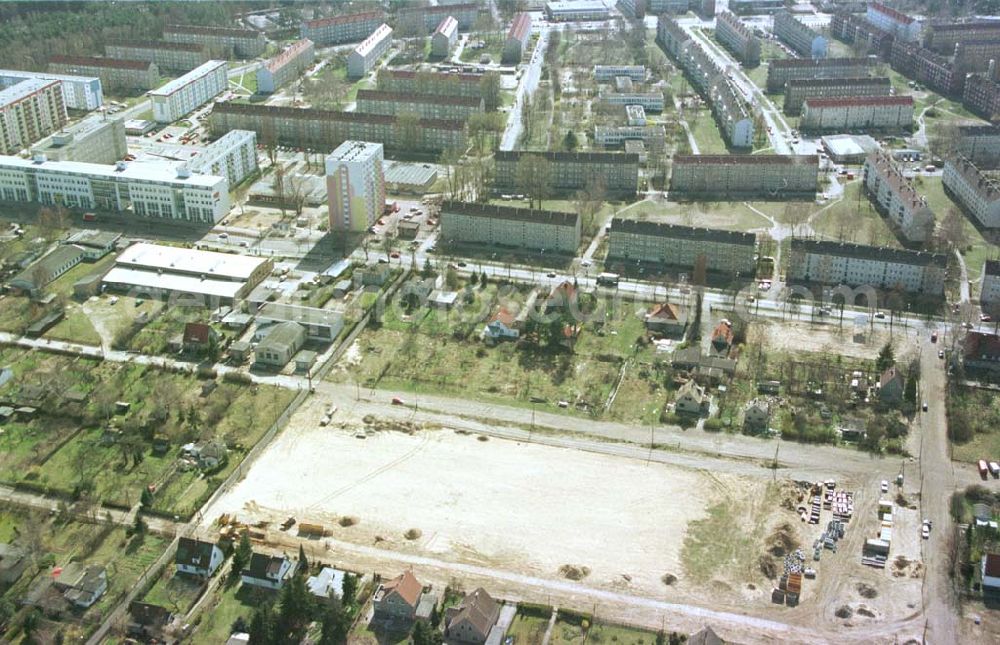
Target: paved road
{"type": "Point", "coordinates": [529, 82]}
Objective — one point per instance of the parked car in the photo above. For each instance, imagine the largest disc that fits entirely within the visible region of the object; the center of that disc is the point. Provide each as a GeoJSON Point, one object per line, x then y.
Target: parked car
{"type": "Point", "coordinates": [924, 406]}
{"type": "Point", "coordinates": [397, 401]}
{"type": "Point", "coordinates": [885, 486]}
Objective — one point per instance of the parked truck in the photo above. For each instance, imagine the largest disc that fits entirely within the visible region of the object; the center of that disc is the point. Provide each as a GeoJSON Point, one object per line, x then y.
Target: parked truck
{"type": "Point", "coordinates": [983, 469]}
{"type": "Point", "coordinates": [994, 469]}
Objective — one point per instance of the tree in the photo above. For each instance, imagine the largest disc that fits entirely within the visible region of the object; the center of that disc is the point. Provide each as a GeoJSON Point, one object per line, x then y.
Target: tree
{"type": "Point", "coordinates": [262, 628]}
{"type": "Point", "coordinates": [534, 176]}
{"type": "Point", "coordinates": [146, 499]}
{"type": "Point", "coordinates": [569, 141]}
{"type": "Point", "coordinates": [336, 623]}
{"type": "Point", "coordinates": [489, 89]}
{"type": "Point", "coordinates": [302, 567]}
{"type": "Point", "coordinates": [424, 634]}
{"type": "Point", "coordinates": [350, 589]}
{"type": "Point", "coordinates": [296, 608]}
{"type": "Point", "coordinates": [408, 130]}
{"type": "Point", "coordinates": [951, 234]}
{"type": "Point", "coordinates": [886, 358]}
{"type": "Point", "coordinates": [241, 556]}
{"type": "Point", "coordinates": [53, 221]}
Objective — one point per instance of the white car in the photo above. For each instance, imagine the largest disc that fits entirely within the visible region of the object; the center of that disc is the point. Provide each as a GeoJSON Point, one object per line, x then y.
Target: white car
{"type": "Point", "coordinates": [885, 486]}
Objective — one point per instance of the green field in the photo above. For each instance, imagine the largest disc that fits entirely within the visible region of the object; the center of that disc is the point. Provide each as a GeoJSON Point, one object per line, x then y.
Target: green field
{"type": "Point", "coordinates": [973, 423]}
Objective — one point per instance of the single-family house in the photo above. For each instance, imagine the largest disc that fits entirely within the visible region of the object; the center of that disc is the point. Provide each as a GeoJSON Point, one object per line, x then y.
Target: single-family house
{"type": "Point", "coordinates": [722, 338]}
{"type": "Point", "coordinates": [705, 636]}
{"type": "Point", "coordinates": [416, 292]}
{"type": "Point", "coordinates": [197, 557]}
{"type": "Point", "coordinates": [890, 386]}
{"type": "Point", "coordinates": [208, 455]}
{"type": "Point", "coordinates": [443, 299]}
{"type": "Point", "coordinates": [82, 585]}
{"type": "Point", "coordinates": [471, 620]}
{"type": "Point", "coordinates": [95, 244]}
{"type": "Point", "coordinates": [757, 415]}
{"type": "Point", "coordinates": [981, 351]}
{"type": "Point", "coordinates": [268, 571]}
{"type": "Point", "coordinates": [240, 350]}
{"type": "Point", "coordinates": [198, 337]}
{"type": "Point", "coordinates": [327, 584]}
{"type": "Point", "coordinates": [371, 276]}
{"type": "Point", "coordinates": [282, 342]}
{"type": "Point", "coordinates": [562, 296]}
{"type": "Point", "coordinates": [396, 600]}
{"type": "Point", "coordinates": [146, 621]}
{"type": "Point", "coordinates": [691, 399]}
{"type": "Point", "coordinates": [501, 326]}
{"type": "Point", "coordinates": [13, 562]}
{"type": "Point", "coordinates": [990, 569]}
{"type": "Point", "coordinates": [666, 319]}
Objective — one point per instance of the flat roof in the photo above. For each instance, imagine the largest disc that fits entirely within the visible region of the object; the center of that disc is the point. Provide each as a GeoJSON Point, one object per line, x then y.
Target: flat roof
{"type": "Point", "coordinates": [23, 89]}
{"type": "Point", "coordinates": [842, 145]}
{"type": "Point", "coordinates": [13, 73]}
{"type": "Point", "coordinates": [158, 44]}
{"type": "Point", "coordinates": [226, 266]}
{"type": "Point", "coordinates": [577, 157]}
{"type": "Point", "coordinates": [198, 72]}
{"type": "Point", "coordinates": [418, 97]}
{"type": "Point", "coordinates": [172, 282]}
{"type": "Point", "coordinates": [353, 150]}
{"type": "Point", "coordinates": [859, 100]}
{"type": "Point", "coordinates": [408, 173]}
{"type": "Point", "coordinates": [822, 62]}
{"type": "Point", "coordinates": [280, 312]}
{"type": "Point", "coordinates": [166, 173]}
{"type": "Point", "coordinates": [510, 213]}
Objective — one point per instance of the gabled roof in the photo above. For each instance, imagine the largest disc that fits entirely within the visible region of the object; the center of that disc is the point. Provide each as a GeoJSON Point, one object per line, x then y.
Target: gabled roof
{"type": "Point", "coordinates": [890, 375]}
{"type": "Point", "coordinates": [406, 586]}
{"type": "Point", "coordinates": [146, 614]}
{"type": "Point", "coordinates": [979, 345]}
{"type": "Point", "coordinates": [197, 333]}
{"type": "Point", "coordinates": [503, 316]}
{"type": "Point", "coordinates": [706, 636]}
{"type": "Point", "coordinates": [723, 334]}
{"type": "Point", "coordinates": [264, 566]}
{"type": "Point", "coordinates": [193, 553]}
{"type": "Point", "coordinates": [479, 609]}
{"type": "Point", "coordinates": [665, 311]}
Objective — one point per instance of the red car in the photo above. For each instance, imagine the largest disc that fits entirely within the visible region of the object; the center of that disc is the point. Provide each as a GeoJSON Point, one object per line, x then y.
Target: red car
{"type": "Point", "coordinates": [397, 401]}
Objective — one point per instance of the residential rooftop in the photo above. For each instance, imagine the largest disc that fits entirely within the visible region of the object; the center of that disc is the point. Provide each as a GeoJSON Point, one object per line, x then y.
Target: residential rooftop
{"type": "Point", "coordinates": [287, 54]}
{"type": "Point", "coordinates": [848, 101]}
{"type": "Point", "coordinates": [331, 115]}
{"type": "Point", "coordinates": [192, 76]}
{"type": "Point", "coordinates": [822, 62]}
{"type": "Point", "coordinates": [491, 211]}
{"type": "Point", "coordinates": [158, 44]}
{"type": "Point", "coordinates": [447, 26]}
{"type": "Point", "coordinates": [418, 97]}
{"type": "Point", "coordinates": [343, 20]}
{"type": "Point", "coordinates": [865, 252]}
{"type": "Point", "coordinates": [578, 157]}
{"type": "Point", "coordinates": [520, 27]}
{"type": "Point", "coordinates": [145, 171]}
{"type": "Point", "coordinates": [24, 89]}
{"type": "Point", "coordinates": [230, 32]}
{"type": "Point", "coordinates": [366, 45]}
{"type": "Point", "coordinates": [100, 61]}
{"type": "Point", "coordinates": [836, 82]}
{"type": "Point", "coordinates": [746, 160]}
{"type": "Point", "coordinates": [676, 231]}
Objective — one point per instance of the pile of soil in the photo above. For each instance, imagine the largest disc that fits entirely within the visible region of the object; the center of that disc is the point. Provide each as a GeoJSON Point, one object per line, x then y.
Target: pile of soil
{"type": "Point", "coordinates": [573, 572]}
{"type": "Point", "coordinates": [669, 579]}
{"type": "Point", "coordinates": [412, 534]}
{"type": "Point", "coordinates": [348, 520]}
{"type": "Point", "coordinates": [844, 612]}
{"type": "Point", "coordinates": [782, 541]}
{"type": "Point", "coordinates": [866, 591]}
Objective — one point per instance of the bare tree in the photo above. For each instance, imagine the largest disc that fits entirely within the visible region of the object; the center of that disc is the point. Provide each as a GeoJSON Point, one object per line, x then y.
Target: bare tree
{"type": "Point", "coordinates": [534, 177]}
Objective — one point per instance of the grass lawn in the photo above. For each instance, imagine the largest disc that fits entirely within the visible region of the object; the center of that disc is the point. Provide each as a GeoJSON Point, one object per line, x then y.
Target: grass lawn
{"type": "Point", "coordinates": [564, 633]}
{"type": "Point", "coordinates": [706, 132]}
{"type": "Point", "coordinates": [493, 49]}
{"type": "Point", "coordinates": [228, 603]}
{"type": "Point", "coordinates": [973, 424]}
{"type": "Point", "coordinates": [175, 591]}
{"type": "Point", "coordinates": [853, 219]}
{"type": "Point", "coordinates": [979, 249]}
{"type": "Point", "coordinates": [735, 216]}
{"type": "Point", "coordinates": [527, 629]}
{"type": "Point", "coordinates": [365, 634]}
{"type": "Point", "coordinates": [75, 328]}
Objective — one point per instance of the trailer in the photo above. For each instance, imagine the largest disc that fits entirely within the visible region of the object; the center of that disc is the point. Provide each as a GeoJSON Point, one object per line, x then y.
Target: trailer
{"type": "Point", "coordinates": [983, 468]}
{"type": "Point", "coordinates": [994, 469]}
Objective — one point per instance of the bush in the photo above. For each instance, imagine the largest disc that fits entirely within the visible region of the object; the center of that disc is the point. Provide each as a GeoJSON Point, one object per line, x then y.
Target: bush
{"type": "Point", "coordinates": [574, 617]}
{"type": "Point", "coordinates": [534, 610]}
{"type": "Point", "coordinates": [713, 425]}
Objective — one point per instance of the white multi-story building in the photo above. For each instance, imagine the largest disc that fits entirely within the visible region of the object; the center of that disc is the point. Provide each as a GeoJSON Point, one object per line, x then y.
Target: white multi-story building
{"type": "Point", "coordinates": [234, 156]}
{"type": "Point", "coordinates": [445, 37]}
{"type": "Point", "coordinates": [29, 111]}
{"type": "Point", "coordinates": [362, 58]}
{"type": "Point", "coordinates": [799, 36]}
{"type": "Point", "coordinates": [517, 38]}
{"type": "Point", "coordinates": [980, 144]}
{"type": "Point", "coordinates": [895, 22]}
{"type": "Point", "coordinates": [635, 115]}
{"type": "Point", "coordinates": [189, 92]}
{"type": "Point", "coordinates": [989, 295]}
{"type": "Point", "coordinates": [858, 265]}
{"type": "Point", "coordinates": [342, 29]}
{"type": "Point", "coordinates": [857, 113]}
{"type": "Point", "coordinates": [977, 192]}
{"type": "Point", "coordinates": [574, 10]}
{"type": "Point", "coordinates": [505, 226]}
{"type": "Point", "coordinates": [650, 101]}
{"type": "Point", "coordinates": [654, 136]}
{"type": "Point", "coordinates": [95, 139]}
{"type": "Point", "coordinates": [285, 67]}
{"type": "Point", "coordinates": [608, 73]}
{"type": "Point", "coordinates": [355, 185]}
{"type": "Point", "coordinates": [79, 92]}
{"type": "Point", "coordinates": [896, 198]}
{"type": "Point", "coordinates": [742, 176]}
{"type": "Point", "coordinates": [151, 190]}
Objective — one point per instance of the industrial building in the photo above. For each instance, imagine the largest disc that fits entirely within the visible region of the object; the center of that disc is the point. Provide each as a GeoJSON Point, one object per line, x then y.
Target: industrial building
{"type": "Point", "coordinates": [151, 190]}
{"type": "Point", "coordinates": [797, 91]}
{"type": "Point", "coordinates": [856, 265]}
{"type": "Point", "coordinates": [727, 252]}
{"type": "Point", "coordinates": [901, 26]}
{"type": "Point", "coordinates": [780, 72]}
{"type": "Point", "coordinates": [857, 31]}
{"type": "Point", "coordinates": [744, 176]}
{"type": "Point", "coordinates": [221, 41]}
{"type": "Point", "coordinates": [410, 81]}
{"type": "Point", "coordinates": [974, 190]}
{"type": "Point", "coordinates": [617, 173]}
{"type": "Point", "coordinates": [576, 10]}
{"type": "Point", "coordinates": [941, 37]}
{"type": "Point", "coordinates": [518, 38]}
{"type": "Point", "coordinates": [335, 30]}
{"type": "Point", "coordinates": [355, 183]}
{"type": "Point", "coordinates": [278, 71]}
{"type": "Point", "coordinates": [926, 67]}
{"type": "Point", "coordinates": [325, 129]}
{"type": "Point", "coordinates": [799, 36]}
{"type": "Point", "coordinates": [426, 106]}
{"type": "Point", "coordinates": [82, 93]}
{"type": "Point", "coordinates": [428, 18]}
{"type": "Point", "coordinates": [30, 111]}
{"type": "Point", "coordinates": [115, 74]}
{"type": "Point", "coordinates": [982, 96]}
{"type": "Point", "coordinates": [509, 227]}
{"type": "Point", "coordinates": [980, 144]}
{"type": "Point", "coordinates": [189, 92]}
{"type": "Point", "coordinates": [849, 148]}
{"type": "Point", "coordinates": [894, 196]}
{"type": "Point", "coordinates": [321, 325]}
{"type": "Point", "coordinates": [445, 37]}
{"type": "Point", "coordinates": [93, 140]}
{"type": "Point", "coordinates": [154, 270]}
{"type": "Point", "coordinates": [857, 113]}
{"type": "Point", "coordinates": [362, 58]}
{"type": "Point", "coordinates": [608, 73]}
{"type": "Point", "coordinates": [738, 38]}
{"type": "Point", "coordinates": [181, 57]}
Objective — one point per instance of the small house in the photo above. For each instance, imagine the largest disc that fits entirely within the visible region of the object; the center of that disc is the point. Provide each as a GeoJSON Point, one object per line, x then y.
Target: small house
{"type": "Point", "coordinates": [371, 276]}
{"type": "Point", "coordinates": [396, 600]}
{"type": "Point", "coordinates": [706, 636]}
{"type": "Point", "coordinates": [13, 562]}
{"type": "Point", "coordinates": [890, 386]}
{"type": "Point", "coordinates": [327, 584]}
{"type": "Point", "coordinates": [418, 291]}
{"type": "Point", "coordinates": [666, 319]}
{"type": "Point", "coordinates": [691, 399]}
{"type": "Point", "coordinates": [472, 619]}
{"type": "Point", "coordinates": [304, 360]}
{"type": "Point", "coordinates": [722, 338]}
{"type": "Point", "coordinates": [757, 415]}
{"type": "Point", "coordinates": [198, 337]}
{"type": "Point", "coordinates": [990, 569]}
{"type": "Point", "coordinates": [282, 342]}
{"type": "Point", "coordinates": [501, 326]}
{"type": "Point", "coordinates": [981, 351]}
{"type": "Point", "coordinates": [562, 296]}
{"type": "Point", "coordinates": [239, 351]}
{"type": "Point", "coordinates": [82, 585]}
{"type": "Point", "coordinates": [147, 621]}
{"type": "Point", "coordinates": [268, 571]}
{"type": "Point", "coordinates": [197, 557]}
{"type": "Point", "coordinates": [443, 299]}
{"type": "Point", "coordinates": [341, 289]}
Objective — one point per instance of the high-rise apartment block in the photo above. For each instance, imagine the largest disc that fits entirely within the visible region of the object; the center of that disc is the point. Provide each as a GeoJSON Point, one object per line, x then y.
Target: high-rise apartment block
{"type": "Point", "coordinates": [79, 92]}
{"type": "Point", "coordinates": [982, 96]}
{"type": "Point", "coordinates": [189, 92]}
{"type": "Point", "coordinates": [95, 140]}
{"type": "Point", "coordinates": [29, 111]}
{"type": "Point", "coordinates": [355, 185]}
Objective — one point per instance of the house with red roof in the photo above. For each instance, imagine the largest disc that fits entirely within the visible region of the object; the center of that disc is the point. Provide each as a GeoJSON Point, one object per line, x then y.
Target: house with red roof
{"type": "Point", "coordinates": [982, 351]}
{"type": "Point", "coordinates": [396, 600]}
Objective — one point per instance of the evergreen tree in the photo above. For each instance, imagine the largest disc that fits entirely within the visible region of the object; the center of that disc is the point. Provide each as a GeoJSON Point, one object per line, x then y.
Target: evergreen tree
{"type": "Point", "coordinates": [296, 609]}
{"type": "Point", "coordinates": [241, 556]}
{"type": "Point", "coordinates": [569, 141]}
{"type": "Point", "coordinates": [484, 279]}
{"type": "Point", "coordinates": [336, 623]}
{"type": "Point", "coordinates": [350, 589]}
{"type": "Point", "coordinates": [146, 499]}
{"type": "Point", "coordinates": [303, 566]}
{"type": "Point", "coordinates": [910, 392]}
{"type": "Point", "coordinates": [474, 278]}
{"type": "Point", "coordinates": [262, 626]}
{"type": "Point", "coordinates": [424, 634]}
{"type": "Point", "coordinates": [886, 358]}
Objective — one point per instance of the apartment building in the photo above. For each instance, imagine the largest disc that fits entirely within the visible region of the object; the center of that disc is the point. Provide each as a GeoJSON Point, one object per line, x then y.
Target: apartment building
{"type": "Point", "coordinates": [924, 66]}
{"type": "Point", "coordinates": [518, 38]}
{"type": "Point", "coordinates": [571, 171]}
{"type": "Point", "coordinates": [426, 82]}
{"type": "Point", "coordinates": [233, 156]}
{"type": "Point", "coordinates": [780, 72]}
{"type": "Point", "coordinates": [861, 113]}
{"type": "Point", "coordinates": [327, 129]}
{"type": "Point", "coordinates": [29, 111]}
{"type": "Point", "coordinates": [426, 106]}
{"type": "Point", "coordinates": [608, 73]}
{"type": "Point", "coordinates": [611, 136]}
{"type": "Point", "coordinates": [732, 113]}
{"type": "Point", "coordinates": [797, 91]}
{"type": "Point", "coordinates": [799, 36]}
{"type": "Point", "coordinates": [509, 227]}
{"type": "Point", "coordinates": [82, 93]}
{"type": "Point", "coordinates": [287, 66]}
{"type": "Point", "coordinates": [977, 192]}
{"type": "Point", "coordinates": [898, 24]}
{"type": "Point", "coordinates": [857, 31]}
{"type": "Point", "coordinates": [650, 101]}
{"type": "Point", "coordinates": [428, 18]}
{"type": "Point", "coordinates": [744, 176]}
{"type": "Point", "coordinates": [989, 293]}
{"type": "Point", "coordinates": [738, 38]}
{"type": "Point", "coordinates": [980, 144]}
{"type": "Point", "coordinates": [726, 252]}
{"type": "Point", "coordinates": [576, 10]}
{"type": "Point", "coordinates": [150, 190]}
{"type": "Point", "coordinates": [941, 37]}
{"type": "Point", "coordinates": [749, 7]}
{"type": "Point", "coordinates": [982, 96]}
{"type": "Point", "coordinates": [362, 58]}
{"type": "Point", "coordinates": [189, 92]}
{"type": "Point", "coordinates": [94, 140]}
{"type": "Point", "coordinates": [445, 37]}
{"type": "Point", "coordinates": [342, 29]}
{"type": "Point", "coordinates": [181, 57]}
{"type": "Point", "coordinates": [894, 196]}
{"type": "Point", "coordinates": [855, 265]}
{"type": "Point", "coordinates": [975, 56]}
{"type": "Point", "coordinates": [115, 74]}
{"type": "Point", "coordinates": [221, 41]}
{"type": "Point", "coordinates": [355, 185]}
{"type": "Point", "coordinates": [641, 8]}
